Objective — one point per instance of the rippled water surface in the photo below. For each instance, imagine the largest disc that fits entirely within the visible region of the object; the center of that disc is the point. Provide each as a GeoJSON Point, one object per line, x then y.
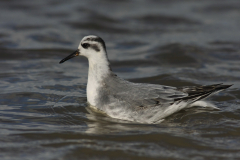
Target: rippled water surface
{"type": "Point", "coordinates": [43, 110]}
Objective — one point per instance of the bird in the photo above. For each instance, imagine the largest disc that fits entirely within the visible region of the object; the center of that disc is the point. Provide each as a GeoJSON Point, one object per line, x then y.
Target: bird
{"type": "Point", "coordinates": [137, 102]}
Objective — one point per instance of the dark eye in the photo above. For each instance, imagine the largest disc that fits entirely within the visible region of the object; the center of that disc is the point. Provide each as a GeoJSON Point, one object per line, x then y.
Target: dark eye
{"type": "Point", "coordinates": [85, 45]}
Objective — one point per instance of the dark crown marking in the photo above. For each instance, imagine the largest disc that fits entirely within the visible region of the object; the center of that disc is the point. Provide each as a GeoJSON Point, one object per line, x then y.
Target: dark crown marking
{"type": "Point", "coordinates": [99, 40]}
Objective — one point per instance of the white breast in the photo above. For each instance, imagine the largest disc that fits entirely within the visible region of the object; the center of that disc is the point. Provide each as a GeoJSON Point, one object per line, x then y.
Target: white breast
{"type": "Point", "coordinates": [92, 88]}
{"type": "Point", "coordinates": [97, 72]}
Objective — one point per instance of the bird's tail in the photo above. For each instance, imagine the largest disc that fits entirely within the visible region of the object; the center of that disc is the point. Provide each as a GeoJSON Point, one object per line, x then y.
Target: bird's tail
{"type": "Point", "coordinates": [201, 92]}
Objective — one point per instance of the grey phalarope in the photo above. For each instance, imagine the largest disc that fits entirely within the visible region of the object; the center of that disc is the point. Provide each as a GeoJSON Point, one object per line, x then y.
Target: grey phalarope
{"type": "Point", "coordinates": [139, 102]}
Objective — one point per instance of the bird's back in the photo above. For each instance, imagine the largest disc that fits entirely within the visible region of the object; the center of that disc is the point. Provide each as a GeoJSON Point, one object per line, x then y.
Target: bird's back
{"type": "Point", "coordinates": [146, 103]}
{"type": "Point", "coordinates": [134, 101]}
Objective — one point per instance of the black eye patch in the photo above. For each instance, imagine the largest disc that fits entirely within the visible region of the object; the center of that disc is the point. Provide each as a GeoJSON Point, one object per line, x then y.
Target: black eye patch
{"type": "Point", "coordinates": [85, 45]}
{"type": "Point", "coordinates": [95, 47]}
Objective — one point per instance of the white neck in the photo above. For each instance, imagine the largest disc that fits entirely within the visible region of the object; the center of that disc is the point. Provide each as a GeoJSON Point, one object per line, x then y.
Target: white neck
{"type": "Point", "coordinates": [98, 69]}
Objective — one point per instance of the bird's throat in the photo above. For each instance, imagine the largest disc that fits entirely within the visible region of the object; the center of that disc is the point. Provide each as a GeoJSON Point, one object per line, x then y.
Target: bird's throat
{"type": "Point", "coordinates": [96, 74]}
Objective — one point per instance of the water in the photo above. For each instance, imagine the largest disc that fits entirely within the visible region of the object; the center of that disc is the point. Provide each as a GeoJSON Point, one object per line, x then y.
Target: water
{"type": "Point", "coordinates": [43, 110]}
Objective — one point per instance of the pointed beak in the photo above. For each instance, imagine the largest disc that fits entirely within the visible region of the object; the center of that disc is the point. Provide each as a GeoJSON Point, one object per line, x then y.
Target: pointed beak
{"type": "Point", "coordinates": [74, 54]}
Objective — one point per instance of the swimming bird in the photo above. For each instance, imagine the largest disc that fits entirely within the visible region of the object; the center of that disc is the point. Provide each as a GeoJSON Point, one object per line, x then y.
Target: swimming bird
{"type": "Point", "coordinates": [139, 102]}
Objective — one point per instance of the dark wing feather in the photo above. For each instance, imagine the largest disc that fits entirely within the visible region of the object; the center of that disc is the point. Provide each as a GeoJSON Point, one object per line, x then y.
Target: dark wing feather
{"type": "Point", "coordinates": [197, 93]}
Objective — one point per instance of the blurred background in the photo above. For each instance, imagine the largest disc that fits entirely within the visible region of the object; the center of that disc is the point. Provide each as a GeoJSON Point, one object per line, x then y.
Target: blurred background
{"type": "Point", "coordinates": [43, 113]}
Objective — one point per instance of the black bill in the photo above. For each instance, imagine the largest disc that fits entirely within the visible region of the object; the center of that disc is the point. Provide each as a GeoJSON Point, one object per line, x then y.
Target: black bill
{"type": "Point", "coordinates": [74, 54]}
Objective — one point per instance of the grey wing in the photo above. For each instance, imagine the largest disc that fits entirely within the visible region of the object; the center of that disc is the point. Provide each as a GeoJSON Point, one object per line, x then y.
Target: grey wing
{"type": "Point", "coordinates": [157, 95]}
{"type": "Point", "coordinates": [149, 95]}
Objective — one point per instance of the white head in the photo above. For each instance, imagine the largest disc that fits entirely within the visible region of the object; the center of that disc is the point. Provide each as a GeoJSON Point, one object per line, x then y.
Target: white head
{"type": "Point", "coordinates": [92, 47]}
